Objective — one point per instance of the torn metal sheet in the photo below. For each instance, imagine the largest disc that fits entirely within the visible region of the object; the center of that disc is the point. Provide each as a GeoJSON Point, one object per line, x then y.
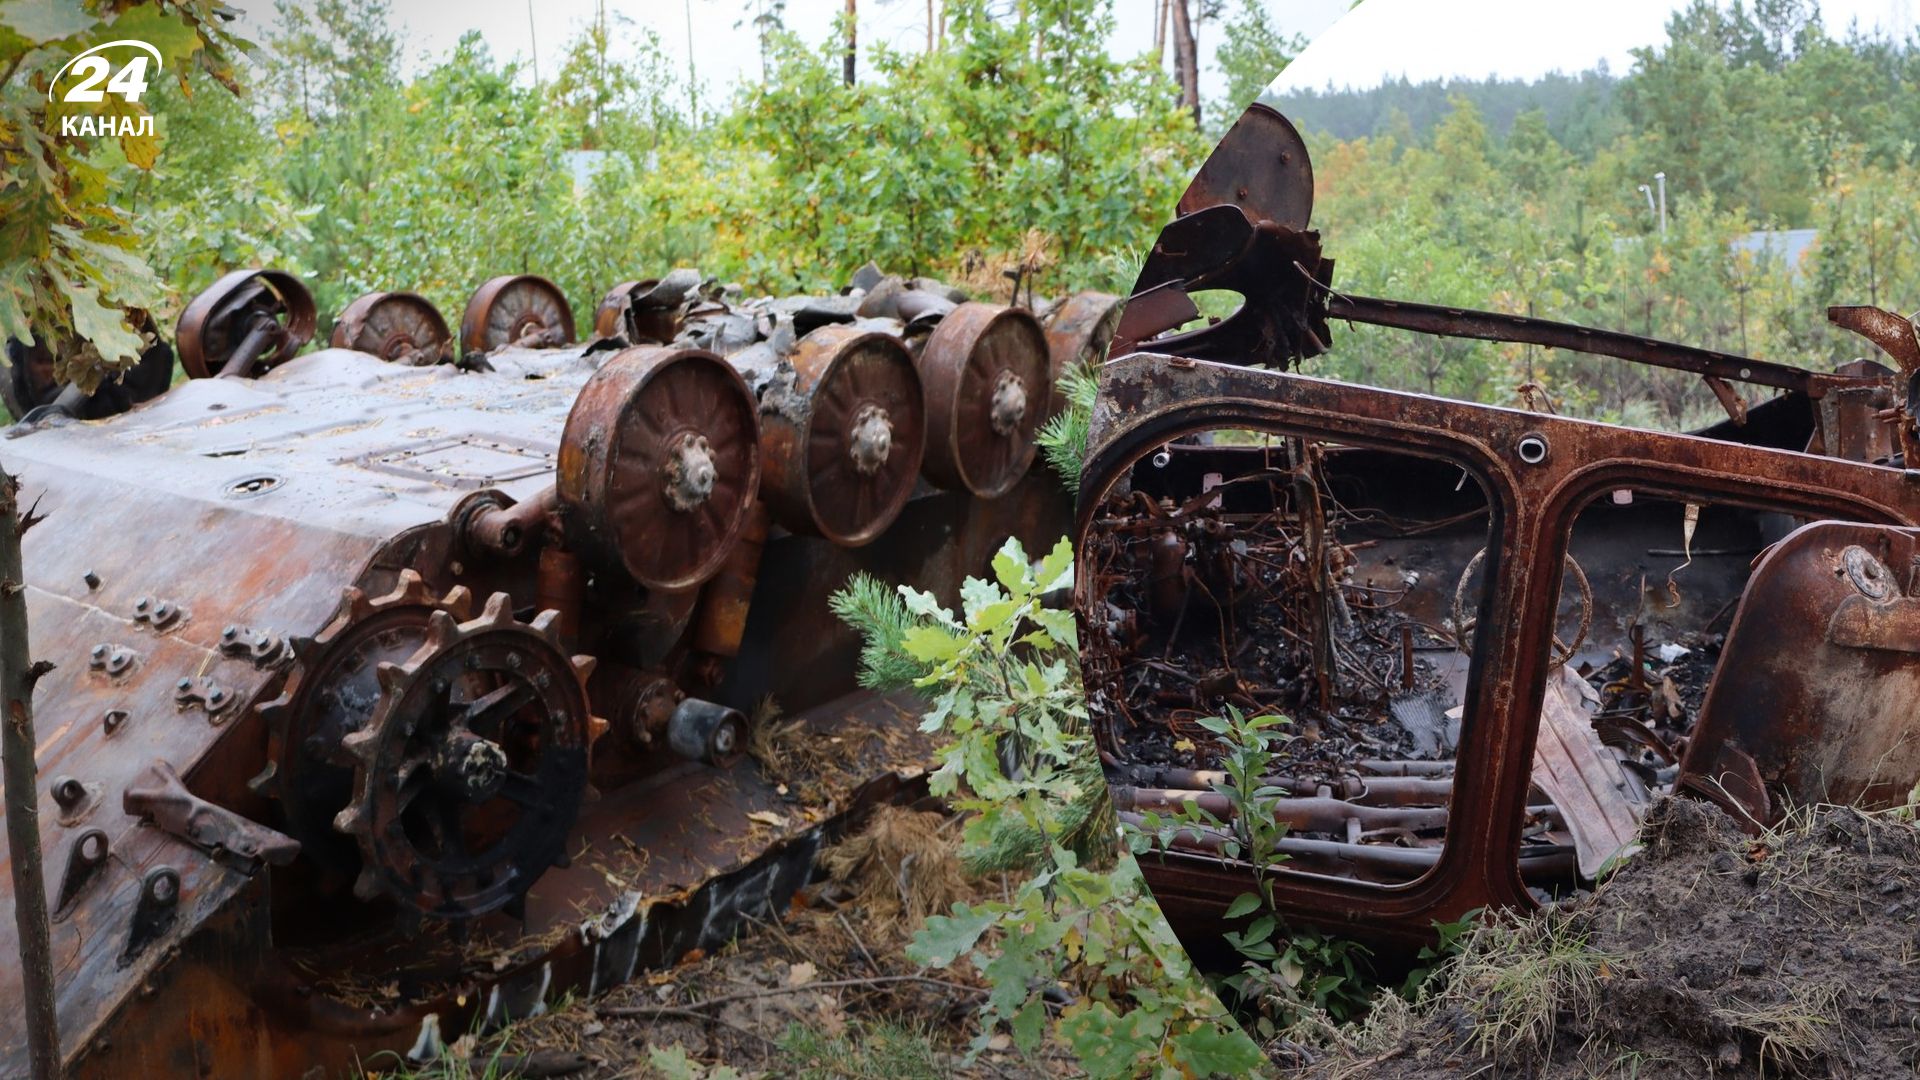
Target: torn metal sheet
{"type": "Point", "coordinates": [1601, 804]}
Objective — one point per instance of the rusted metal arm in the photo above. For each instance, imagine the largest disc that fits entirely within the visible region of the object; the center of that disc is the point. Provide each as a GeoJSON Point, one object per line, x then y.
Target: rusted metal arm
{"type": "Point", "coordinates": [1363, 791]}
{"type": "Point", "coordinates": [1539, 865]}
{"type": "Point", "coordinates": [505, 530]}
{"type": "Point", "coordinates": [1495, 326]}
{"type": "Point", "coordinates": [263, 334]}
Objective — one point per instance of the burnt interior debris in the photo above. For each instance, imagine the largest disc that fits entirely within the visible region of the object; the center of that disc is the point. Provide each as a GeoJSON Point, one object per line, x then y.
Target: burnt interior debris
{"type": "Point", "coordinates": [1341, 587]}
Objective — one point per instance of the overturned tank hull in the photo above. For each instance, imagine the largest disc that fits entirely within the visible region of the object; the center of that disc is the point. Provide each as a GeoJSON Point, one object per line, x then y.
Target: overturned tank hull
{"type": "Point", "coordinates": [395, 696]}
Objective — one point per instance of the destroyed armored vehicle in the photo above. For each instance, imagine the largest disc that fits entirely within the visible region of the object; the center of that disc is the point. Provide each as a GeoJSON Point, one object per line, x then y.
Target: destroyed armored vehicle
{"type": "Point", "coordinates": [401, 687]}
{"type": "Point", "coordinates": [1496, 633]}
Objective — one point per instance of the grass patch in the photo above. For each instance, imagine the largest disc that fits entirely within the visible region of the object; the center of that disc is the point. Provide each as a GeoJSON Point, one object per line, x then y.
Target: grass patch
{"type": "Point", "coordinates": [1514, 975]}
{"type": "Point", "coordinates": [882, 1050]}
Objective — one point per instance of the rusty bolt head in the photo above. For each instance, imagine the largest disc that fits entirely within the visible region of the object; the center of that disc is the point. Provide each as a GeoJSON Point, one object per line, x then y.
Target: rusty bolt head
{"type": "Point", "coordinates": [469, 767]}
{"type": "Point", "coordinates": [99, 655]}
{"type": "Point", "coordinates": [690, 473]}
{"type": "Point", "coordinates": [163, 886]}
{"type": "Point", "coordinates": [183, 687]}
{"type": "Point", "coordinates": [230, 633]}
{"type": "Point", "coordinates": [92, 579]}
{"type": "Point", "coordinates": [1868, 574]}
{"type": "Point", "coordinates": [141, 605]}
{"type": "Point", "coordinates": [68, 792]}
{"type": "Point", "coordinates": [1009, 404]}
{"type": "Point", "coordinates": [870, 439]}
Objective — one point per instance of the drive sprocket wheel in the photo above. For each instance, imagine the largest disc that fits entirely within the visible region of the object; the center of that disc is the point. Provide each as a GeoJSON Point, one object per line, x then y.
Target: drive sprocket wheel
{"type": "Point", "coordinates": [473, 766]}
{"type": "Point", "coordinates": [331, 693]}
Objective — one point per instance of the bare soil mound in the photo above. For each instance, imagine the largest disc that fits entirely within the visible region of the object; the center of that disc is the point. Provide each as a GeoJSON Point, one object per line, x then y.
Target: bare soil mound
{"type": "Point", "coordinates": [1794, 954]}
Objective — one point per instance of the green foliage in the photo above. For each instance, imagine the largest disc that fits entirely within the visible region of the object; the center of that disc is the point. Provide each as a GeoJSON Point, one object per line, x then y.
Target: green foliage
{"type": "Point", "coordinates": [1286, 971]}
{"type": "Point", "coordinates": [1252, 53]}
{"type": "Point", "coordinates": [1018, 141]}
{"type": "Point", "coordinates": [1450, 939]}
{"type": "Point", "coordinates": [882, 620]}
{"type": "Point", "coordinates": [70, 259]}
{"type": "Point", "coordinates": [1524, 198]}
{"type": "Point", "coordinates": [1002, 679]}
{"type": "Point", "coordinates": [1063, 439]}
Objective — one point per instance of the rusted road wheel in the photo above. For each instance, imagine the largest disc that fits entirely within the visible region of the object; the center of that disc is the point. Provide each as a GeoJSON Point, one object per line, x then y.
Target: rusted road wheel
{"type": "Point", "coordinates": [402, 327]}
{"type": "Point", "coordinates": [245, 324]}
{"type": "Point", "coordinates": [518, 309]}
{"type": "Point", "coordinates": [987, 379]}
{"type": "Point", "coordinates": [842, 446]}
{"type": "Point", "coordinates": [660, 462]}
{"type": "Point", "coordinates": [1079, 329]}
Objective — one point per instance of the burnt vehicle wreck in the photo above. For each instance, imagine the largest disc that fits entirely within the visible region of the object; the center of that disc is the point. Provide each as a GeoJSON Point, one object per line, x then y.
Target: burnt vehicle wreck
{"type": "Point", "coordinates": [403, 687]}
{"type": "Point", "coordinates": [1497, 634]}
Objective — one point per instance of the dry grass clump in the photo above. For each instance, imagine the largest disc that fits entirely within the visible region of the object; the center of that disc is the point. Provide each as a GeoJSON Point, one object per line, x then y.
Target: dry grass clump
{"type": "Point", "coordinates": [990, 275]}
{"type": "Point", "coordinates": [1516, 975]}
{"type": "Point", "coordinates": [778, 745]}
{"type": "Point", "coordinates": [901, 868]}
{"type": "Point", "coordinates": [1790, 1034]}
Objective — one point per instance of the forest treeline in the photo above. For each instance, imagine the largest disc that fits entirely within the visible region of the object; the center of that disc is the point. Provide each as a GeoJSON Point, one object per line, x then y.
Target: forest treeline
{"type": "Point", "coordinates": [1013, 142]}
{"type": "Point", "coordinates": [1759, 117]}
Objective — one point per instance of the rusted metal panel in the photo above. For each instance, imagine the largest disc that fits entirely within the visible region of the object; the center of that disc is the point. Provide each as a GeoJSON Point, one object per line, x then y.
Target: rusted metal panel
{"type": "Point", "coordinates": [1261, 165]}
{"type": "Point", "coordinates": [1822, 665]}
{"type": "Point", "coordinates": [1600, 804]}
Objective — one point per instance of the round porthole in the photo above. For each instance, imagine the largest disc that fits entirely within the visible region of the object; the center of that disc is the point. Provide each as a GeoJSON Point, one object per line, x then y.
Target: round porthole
{"type": "Point", "coordinates": [249, 487]}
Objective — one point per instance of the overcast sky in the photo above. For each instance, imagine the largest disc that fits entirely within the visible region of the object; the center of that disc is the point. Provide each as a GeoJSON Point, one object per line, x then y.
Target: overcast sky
{"type": "Point", "coordinates": [724, 52]}
{"type": "Point", "coordinates": [1423, 39]}
{"type": "Point", "coordinates": [1434, 39]}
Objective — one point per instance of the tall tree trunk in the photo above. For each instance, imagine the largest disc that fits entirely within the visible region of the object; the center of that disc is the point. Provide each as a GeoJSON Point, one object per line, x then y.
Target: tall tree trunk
{"type": "Point", "coordinates": [693, 78]}
{"type": "Point", "coordinates": [1186, 67]}
{"type": "Point", "coordinates": [1160, 31]}
{"type": "Point", "coordinates": [852, 18]}
{"type": "Point", "coordinates": [21, 788]}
